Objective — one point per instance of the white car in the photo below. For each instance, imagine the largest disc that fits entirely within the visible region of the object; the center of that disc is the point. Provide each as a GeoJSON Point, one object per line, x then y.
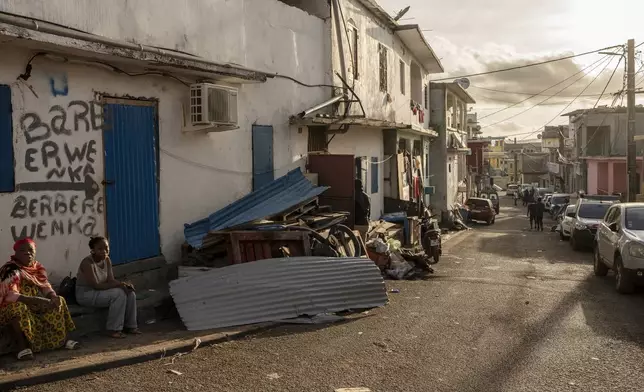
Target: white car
{"type": "Point", "coordinates": [512, 190]}
{"type": "Point", "coordinates": [567, 222]}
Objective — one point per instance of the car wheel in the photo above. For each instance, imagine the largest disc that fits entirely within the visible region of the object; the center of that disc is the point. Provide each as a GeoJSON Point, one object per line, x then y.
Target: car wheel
{"type": "Point", "coordinates": [490, 221]}
{"type": "Point", "coordinates": [599, 267]}
{"type": "Point", "coordinates": [623, 280]}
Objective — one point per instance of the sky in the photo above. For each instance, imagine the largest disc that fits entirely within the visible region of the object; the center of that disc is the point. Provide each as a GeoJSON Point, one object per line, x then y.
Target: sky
{"type": "Point", "coordinates": [473, 36]}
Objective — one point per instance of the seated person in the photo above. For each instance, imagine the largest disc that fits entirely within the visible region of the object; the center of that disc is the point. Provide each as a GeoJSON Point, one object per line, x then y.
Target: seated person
{"type": "Point", "coordinates": [96, 287]}
{"type": "Point", "coordinates": [37, 318]}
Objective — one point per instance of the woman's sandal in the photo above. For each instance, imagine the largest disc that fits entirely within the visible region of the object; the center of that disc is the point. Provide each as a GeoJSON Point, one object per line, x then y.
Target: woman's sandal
{"type": "Point", "coordinates": [25, 354]}
{"type": "Point", "coordinates": [72, 344]}
{"type": "Point", "coordinates": [116, 334]}
{"type": "Point", "coordinates": [133, 331]}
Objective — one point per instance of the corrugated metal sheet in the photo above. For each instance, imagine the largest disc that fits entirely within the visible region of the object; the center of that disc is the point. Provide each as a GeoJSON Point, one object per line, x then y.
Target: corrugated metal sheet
{"type": "Point", "coordinates": [132, 202]}
{"type": "Point", "coordinates": [278, 196]}
{"type": "Point", "coordinates": [277, 289]}
{"type": "Point", "coordinates": [6, 141]}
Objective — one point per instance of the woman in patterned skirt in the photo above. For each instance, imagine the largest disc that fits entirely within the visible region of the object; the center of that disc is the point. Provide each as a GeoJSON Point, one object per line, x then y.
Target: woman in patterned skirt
{"type": "Point", "coordinates": [37, 318]}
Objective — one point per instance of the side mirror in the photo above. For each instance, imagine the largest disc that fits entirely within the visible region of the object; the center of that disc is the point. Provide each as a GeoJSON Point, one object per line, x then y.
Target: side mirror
{"type": "Point", "coordinates": [570, 214]}
{"type": "Point", "coordinates": [613, 226]}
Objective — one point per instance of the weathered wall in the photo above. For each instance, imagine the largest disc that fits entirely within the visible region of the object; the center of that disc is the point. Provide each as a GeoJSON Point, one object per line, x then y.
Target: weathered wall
{"type": "Point", "coordinates": [364, 142]}
{"type": "Point", "coordinates": [438, 151]}
{"type": "Point", "coordinates": [370, 33]}
{"type": "Point", "coordinates": [193, 167]}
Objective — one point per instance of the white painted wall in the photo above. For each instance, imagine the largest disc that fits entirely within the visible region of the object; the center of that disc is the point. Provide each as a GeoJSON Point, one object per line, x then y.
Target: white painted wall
{"type": "Point", "coordinates": [370, 33]}
{"type": "Point", "coordinates": [211, 170]}
{"type": "Point", "coordinates": [364, 142]}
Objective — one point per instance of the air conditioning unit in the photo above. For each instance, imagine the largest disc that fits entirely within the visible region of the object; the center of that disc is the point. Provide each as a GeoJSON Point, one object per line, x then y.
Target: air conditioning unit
{"type": "Point", "coordinates": [213, 105]}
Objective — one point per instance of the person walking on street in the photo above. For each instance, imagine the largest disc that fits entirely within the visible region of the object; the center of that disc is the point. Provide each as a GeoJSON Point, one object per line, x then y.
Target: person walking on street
{"type": "Point", "coordinates": [531, 214]}
{"type": "Point", "coordinates": [539, 209]}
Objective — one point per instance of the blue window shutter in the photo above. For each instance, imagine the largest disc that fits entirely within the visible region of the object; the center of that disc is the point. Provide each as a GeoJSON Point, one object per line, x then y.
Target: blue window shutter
{"type": "Point", "coordinates": [7, 181]}
{"type": "Point", "coordinates": [374, 175]}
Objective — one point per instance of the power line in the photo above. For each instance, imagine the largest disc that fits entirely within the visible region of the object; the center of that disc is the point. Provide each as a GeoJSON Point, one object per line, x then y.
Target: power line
{"type": "Point", "coordinates": [548, 98]}
{"type": "Point", "coordinates": [601, 60]}
{"type": "Point", "coordinates": [532, 94]}
{"type": "Point", "coordinates": [527, 65]}
{"type": "Point", "coordinates": [591, 82]}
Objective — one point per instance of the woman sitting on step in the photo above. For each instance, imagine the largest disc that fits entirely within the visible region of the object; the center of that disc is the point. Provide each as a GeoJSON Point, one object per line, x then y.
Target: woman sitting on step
{"type": "Point", "coordinates": [96, 287]}
{"type": "Point", "coordinates": [37, 318]}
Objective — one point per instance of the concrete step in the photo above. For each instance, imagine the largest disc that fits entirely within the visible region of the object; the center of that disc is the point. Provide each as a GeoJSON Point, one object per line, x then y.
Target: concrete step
{"type": "Point", "coordinates": [152, 305]}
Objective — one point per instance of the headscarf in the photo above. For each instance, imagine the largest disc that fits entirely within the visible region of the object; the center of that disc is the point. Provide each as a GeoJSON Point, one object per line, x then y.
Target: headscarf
{"type": "Point", "coordinates": [11, 274]}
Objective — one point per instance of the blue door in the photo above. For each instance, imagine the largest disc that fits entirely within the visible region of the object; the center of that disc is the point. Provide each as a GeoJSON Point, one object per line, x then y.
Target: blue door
{"type": "Point", "coordinates": [131, 180]}
{"type": "Point", "coordinates": [262, 156]}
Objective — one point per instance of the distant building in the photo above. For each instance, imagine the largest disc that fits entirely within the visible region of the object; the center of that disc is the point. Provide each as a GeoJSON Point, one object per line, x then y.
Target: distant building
{"type": "Point", "coordinates": [599, 153]}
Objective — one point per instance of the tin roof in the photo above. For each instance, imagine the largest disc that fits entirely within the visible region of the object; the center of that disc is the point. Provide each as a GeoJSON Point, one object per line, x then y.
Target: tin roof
{"type": "Point", "coordinates": [278, 196]}
{"type": "Point", "coordinates": [277, 289]}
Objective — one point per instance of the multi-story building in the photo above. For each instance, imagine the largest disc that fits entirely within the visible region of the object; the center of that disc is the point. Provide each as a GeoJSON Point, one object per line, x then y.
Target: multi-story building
{"type": "Point", "coordinates": [380, 108]}
{"type": "Point", "coordinates": [447, 155]}
{"type": "Point", "coordinates": [513, 162]}
{"type": "Point", "coordinates": [599, 152]}
{"type": "Point", "coordinates": [110, 124]}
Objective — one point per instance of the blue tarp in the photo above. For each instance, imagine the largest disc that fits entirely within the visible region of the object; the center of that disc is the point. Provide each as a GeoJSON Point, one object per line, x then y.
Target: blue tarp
{"type": "Point", "coordinates": [278, 196]}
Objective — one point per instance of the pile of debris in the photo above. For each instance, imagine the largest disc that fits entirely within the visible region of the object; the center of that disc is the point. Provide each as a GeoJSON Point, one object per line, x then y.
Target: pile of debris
{"type": "Point", "coordinates": [282, 219]}
{"type": "Point", "coordinates": [403, 250]}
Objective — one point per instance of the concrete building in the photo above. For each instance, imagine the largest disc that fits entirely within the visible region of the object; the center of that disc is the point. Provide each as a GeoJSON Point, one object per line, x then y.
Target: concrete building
{"type": "Point", "coordinates": [447, 156]}
{"type": "Point", "coordinates": [513, 153]}
{"type": "Point", "coordinates": [556, 141]}
{"type": "Point", "coordinates": [96, 116]}
{"type": "Point", "coordinates": [381, 107]}
{"type": "Point", "coordinates": [600, 148]}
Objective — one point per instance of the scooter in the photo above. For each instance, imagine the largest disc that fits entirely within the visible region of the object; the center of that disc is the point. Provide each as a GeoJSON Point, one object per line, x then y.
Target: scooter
{"type": "Point", "coordinates": [430, 235]}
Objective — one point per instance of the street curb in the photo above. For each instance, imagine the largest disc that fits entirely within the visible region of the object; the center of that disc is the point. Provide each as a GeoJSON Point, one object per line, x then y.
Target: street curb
{"type": "Point", "coordinates": [134, 356]}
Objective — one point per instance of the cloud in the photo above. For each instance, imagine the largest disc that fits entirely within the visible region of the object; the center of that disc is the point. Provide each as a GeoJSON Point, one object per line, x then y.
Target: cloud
{"type": "Point", "coordinates": [563, 80]}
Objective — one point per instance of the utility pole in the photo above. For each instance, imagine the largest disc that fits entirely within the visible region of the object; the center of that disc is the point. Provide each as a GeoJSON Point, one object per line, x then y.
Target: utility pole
{"type": "Point", "coordinates": [516, 169]}
{"type": "Point", "coordinates": [631, 158]}
{"type": "Point", "coordinates": [561, 165]}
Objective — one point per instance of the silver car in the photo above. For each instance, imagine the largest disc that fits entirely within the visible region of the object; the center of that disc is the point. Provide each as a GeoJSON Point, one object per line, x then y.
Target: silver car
{"type": "Point", "coordinates": [619, 245]}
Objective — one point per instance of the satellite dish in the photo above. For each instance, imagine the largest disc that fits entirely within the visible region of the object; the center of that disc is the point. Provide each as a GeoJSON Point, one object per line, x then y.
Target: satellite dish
{"type": "Point", "coordinates": [401, 13]}
{"type": "Point", "coordinates": [463, 82]}
{"type": "Point", "coordinates": [539, 136]}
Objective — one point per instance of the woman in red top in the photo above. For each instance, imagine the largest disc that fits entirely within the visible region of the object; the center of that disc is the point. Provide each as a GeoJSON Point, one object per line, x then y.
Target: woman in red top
{"type": "Point", "coordinates": [37, 317]}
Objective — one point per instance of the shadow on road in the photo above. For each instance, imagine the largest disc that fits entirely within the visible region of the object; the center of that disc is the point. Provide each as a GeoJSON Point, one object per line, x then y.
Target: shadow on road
{"type": "Point", "coordinates": [605, 312]}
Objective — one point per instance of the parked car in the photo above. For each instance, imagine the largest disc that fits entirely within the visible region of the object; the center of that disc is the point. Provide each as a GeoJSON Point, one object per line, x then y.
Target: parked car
{"type": "Point", "coordinates": [614, 198]}
{"type": "Point", "coordinates": [492, 196]}
{"type": "Point", "coordinates": [587, 217]}
{"type": "Point", "coordinates": [567, 222]}
{"type": "Point", "coordinates": [512, 190]}
{"type": "Point", "coordinates": [620, 245]}
{"type": "Point", "coordinates": [481, 209]}
{"type": "Point", "coordinates": [556, 201]}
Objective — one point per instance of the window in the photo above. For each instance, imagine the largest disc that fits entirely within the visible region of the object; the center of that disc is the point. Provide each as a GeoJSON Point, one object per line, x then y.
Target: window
{"type": "Point", "coordinates": [426, 96]}
{"type": "Point", "coordinates": [353, 37]}
{"type": "Point", "coordinates": [402, 77]}
{"type": "Point", "coordinates": [374, 175]}
{"type": "Point", "coordinates": [7, 176]}
{"type": "Point", "coordinates": [382, 55]}
{"type": "Point", "coordinates": [449, 168]}
{"type": "Point", "coordinates": [634, 218]}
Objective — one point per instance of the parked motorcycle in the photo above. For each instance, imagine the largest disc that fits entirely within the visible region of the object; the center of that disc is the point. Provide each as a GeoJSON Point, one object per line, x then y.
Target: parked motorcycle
{"type": "Point", "coordinates": [430, 235]}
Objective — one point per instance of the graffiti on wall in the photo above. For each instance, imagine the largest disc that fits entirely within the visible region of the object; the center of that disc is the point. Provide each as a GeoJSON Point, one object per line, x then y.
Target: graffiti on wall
{"type": "Point", "coordinates": [55, 214]}
{"type": "Point", "coordinates": [65, 199]}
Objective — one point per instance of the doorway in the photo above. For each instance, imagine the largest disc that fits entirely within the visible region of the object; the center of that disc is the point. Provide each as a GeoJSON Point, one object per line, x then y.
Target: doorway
{"type": "Point", "coordinates": [131, 179]}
